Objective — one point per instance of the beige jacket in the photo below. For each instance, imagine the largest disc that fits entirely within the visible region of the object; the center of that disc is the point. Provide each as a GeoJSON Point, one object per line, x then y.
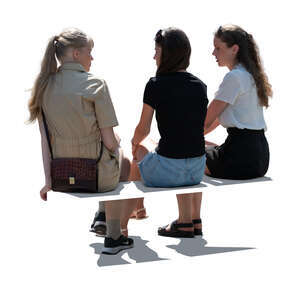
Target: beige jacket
{"type": "Point", "coordinates": [76, 104]}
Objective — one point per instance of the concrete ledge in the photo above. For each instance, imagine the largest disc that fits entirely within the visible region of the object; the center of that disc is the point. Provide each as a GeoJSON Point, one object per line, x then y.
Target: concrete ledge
{"type": "Point", "coordinates": [135, 189]}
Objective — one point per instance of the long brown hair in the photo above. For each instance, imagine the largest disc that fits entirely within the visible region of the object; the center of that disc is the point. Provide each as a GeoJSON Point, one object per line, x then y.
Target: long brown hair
{"type": "Point", "coordinates": [56, 50]}
{"type": "Point", "coordinates": [176, 50]}
{"type": "Point", "coordinates": [248, 55]}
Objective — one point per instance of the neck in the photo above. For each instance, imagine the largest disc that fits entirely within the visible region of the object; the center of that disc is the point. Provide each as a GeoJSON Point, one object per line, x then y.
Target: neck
{"type": "Point", "coordinates": [232, 65]}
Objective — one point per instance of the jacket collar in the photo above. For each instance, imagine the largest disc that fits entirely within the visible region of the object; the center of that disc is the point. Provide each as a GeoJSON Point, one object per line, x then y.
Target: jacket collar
{"type": "Point", "coordinates": [72, 66]}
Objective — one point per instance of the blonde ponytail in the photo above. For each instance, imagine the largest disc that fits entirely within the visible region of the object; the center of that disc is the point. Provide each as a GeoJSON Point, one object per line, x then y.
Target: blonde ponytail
{"type": "Point", "coordinates": [56, 49]}
{"type": "Point", "coordinates": [48, 68]}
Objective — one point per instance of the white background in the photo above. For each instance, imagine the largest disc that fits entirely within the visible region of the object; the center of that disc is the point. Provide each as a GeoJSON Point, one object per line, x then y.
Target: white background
{"type": "Point", "coordinates": [46, 251]}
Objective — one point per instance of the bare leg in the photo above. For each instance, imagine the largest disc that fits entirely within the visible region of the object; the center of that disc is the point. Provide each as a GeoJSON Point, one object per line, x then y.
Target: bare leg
{"type": "Point", "coordinates": [207, 172]}
{"type": "Point", "coordinates": [139, 211]}
{"type": "Point", "coordinates": [113, 216]}
{"type": "Point", "coordinates": [140, 204]}
{"type": "Point", "coordinates": [197, 200]}
{"type": "Point", "coordinates": [185, 206]}
{"type": "Point", "coordinates": [114, 209]}
{"type": "Point", "coordinates": [129, 204]}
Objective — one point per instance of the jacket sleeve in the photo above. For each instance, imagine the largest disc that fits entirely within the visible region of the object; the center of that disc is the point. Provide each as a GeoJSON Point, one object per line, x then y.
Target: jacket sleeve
{"type": "Point", "coordinates": [97, 92]}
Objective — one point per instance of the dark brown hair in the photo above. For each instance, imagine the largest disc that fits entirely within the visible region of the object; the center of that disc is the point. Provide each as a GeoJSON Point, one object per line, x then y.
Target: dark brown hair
{"type": "Point", "coordinates": [56, 49]}
{"type": "Point", "coordinates": [176, 50]}
{"type": "Point", "coordinates": [248, 55]}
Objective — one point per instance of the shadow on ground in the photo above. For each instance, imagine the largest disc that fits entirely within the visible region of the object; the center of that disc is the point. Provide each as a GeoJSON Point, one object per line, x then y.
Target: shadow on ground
{"type": "Point", "coordinates": [142, 253]}
{"type": "Point", "coordinates": [196, 247]}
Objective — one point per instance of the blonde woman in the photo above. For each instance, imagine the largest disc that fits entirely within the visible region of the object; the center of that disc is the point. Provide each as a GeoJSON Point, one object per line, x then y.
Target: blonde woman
{"type": "Point", "coordinates": [79, 114]}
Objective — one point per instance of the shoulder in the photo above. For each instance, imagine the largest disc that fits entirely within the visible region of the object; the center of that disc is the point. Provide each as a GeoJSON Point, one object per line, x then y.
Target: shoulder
{"type": "Point", "coordinates": [233, 75]}
{"type": "Point", "coordinates": [240, 78]}
{"type": "Point", "coordinates": [197, 80]}
{"type": "Point", "coordinates": [92, 86]}
{"type": "Point", "coordinates": [92, 81]}
{"type": "Point", "coordinates": [233, 80]}
{"type": "Point", "coordinates": [152, 83]}
{"type": "Point", "coordinates": [239, 74]}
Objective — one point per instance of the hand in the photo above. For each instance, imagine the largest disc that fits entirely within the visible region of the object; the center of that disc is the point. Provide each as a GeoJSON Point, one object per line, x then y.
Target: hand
{"type": "Point", "coordinates": [44, 191]}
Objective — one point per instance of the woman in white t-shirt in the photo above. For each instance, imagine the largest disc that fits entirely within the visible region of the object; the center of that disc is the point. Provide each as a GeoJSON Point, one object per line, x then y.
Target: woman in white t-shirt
{"type": "Point", "coordinates": [238, 106]}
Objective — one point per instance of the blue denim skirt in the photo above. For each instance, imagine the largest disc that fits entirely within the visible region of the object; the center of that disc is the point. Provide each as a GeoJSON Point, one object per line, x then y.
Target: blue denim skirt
{"type": "Point", "coordinates": [161, 171]}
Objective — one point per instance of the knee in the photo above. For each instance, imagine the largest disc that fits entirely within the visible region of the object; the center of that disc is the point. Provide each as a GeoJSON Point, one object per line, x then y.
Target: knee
{"type": "Point", "coordinates": [207, 172]}
{"type": "Point", "coordinates": [141, 152]}
{"type": "Point", "coordinates": [125, 169]}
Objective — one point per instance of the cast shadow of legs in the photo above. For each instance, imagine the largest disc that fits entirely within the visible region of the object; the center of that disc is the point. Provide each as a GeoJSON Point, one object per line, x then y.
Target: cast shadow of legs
{"type": "Point", "coordinates": [140, 253]}
{"type": "Point", "coordinates": [196, 247]}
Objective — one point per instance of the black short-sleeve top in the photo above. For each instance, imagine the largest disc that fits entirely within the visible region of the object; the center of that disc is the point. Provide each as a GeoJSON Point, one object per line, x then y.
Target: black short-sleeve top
{"type": "Point", "coordinates": [180, 103]}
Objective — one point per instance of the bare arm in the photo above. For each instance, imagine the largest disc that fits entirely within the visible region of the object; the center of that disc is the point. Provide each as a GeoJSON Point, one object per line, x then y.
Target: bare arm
{"type": "Point", "coordinates": [110, 139]}
{"type": "Point", "coordinates": [45, 153]}
{"type": "Point", "coordinates": [215, 108]}
{"type": "Point", "coordinates": [212, 127]}
{"type": "Point", "coordinates": [143, 128]}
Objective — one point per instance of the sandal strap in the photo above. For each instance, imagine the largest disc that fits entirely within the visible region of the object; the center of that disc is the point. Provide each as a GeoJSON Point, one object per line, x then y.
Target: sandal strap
{"type": "Point", "coordinates": [197, 221]}
{"type": "Point", "coordinates": [176, 225]}
{"type": "Point", "coordinates": [139, 210]}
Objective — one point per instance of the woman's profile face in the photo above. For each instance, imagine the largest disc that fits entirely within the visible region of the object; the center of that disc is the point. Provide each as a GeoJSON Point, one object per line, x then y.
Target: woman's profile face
{"type": "Point", "coordinates": [157, 55]}
{"type": "Point", "coordinates": [84, 57]}
{"type": "Point", "coordinates": [225, 56]}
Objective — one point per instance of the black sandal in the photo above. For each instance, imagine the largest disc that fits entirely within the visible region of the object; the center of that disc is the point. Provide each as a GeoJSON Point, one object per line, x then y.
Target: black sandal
{"type": "Point", "coordinates": [175, 232]}
{"type": "Point", "coordinates": [197, 231]}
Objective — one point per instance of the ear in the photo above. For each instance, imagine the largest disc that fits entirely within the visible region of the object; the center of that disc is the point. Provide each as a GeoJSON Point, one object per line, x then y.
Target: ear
{"type": "Point", "coordinates": [235, 49]}
{"type": "Point", "coordinates": [76, 54]}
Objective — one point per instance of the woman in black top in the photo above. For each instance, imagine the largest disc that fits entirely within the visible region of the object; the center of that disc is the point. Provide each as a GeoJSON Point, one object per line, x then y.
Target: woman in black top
{"type": "Point", "coordinates": [179, 100]}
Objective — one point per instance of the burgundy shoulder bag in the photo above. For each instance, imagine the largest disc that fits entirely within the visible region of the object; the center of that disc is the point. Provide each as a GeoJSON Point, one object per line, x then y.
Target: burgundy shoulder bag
{"type": "Point", "coordinates": [73, 175]}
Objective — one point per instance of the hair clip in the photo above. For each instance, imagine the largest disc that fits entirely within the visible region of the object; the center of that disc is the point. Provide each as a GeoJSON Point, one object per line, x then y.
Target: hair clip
{"type": "Point", "coordinates": [159, 35]}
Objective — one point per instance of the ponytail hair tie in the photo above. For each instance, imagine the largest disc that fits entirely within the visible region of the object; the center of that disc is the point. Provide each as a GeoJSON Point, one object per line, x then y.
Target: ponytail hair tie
{"type": "Point", "coordinates": [56, 37]}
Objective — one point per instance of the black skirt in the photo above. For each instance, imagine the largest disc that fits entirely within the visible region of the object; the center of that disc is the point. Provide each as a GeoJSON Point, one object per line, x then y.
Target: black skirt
{"type": "Point", "coordinates": [244, 155]}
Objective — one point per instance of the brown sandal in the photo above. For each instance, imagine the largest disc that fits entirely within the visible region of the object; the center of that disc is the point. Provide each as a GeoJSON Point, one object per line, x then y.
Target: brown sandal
{"type": "Point", "coordinates": [139, 214]}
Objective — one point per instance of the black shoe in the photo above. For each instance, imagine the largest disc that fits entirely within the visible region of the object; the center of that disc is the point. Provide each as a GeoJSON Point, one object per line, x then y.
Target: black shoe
{"type": "Point", "coordinates": [99, 224]}
{"type": "Point", "coordinates": [112, 246]}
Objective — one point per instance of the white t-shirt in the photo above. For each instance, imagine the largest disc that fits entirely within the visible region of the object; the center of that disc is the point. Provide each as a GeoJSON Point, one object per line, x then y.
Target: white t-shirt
{"type": "Point", "coordinates": [244, 110]}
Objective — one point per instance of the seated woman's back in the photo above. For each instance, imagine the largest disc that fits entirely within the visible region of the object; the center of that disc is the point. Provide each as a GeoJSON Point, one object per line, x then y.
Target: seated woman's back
{"type": "Point", "coordinates": [76, 104]}
{"type": "Point", "coordinates": [180, 101]}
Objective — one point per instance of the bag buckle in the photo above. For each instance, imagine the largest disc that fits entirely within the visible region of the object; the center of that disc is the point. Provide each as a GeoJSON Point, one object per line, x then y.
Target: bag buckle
{"type": "Point", "coordinates": [71, 180]}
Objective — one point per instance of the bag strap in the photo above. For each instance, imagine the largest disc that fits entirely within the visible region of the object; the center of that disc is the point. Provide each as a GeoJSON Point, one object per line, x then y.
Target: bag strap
{"type": "Point", "coordinates": [49, 143]}
{"type": "Point", "coordinates": [47, 134]}
{"type": "Point", "coordinates": [101, 151]}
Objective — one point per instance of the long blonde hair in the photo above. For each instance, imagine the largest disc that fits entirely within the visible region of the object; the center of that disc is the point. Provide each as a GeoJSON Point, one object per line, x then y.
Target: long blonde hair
{"type": "Point", "coordinates": [56, 50]}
